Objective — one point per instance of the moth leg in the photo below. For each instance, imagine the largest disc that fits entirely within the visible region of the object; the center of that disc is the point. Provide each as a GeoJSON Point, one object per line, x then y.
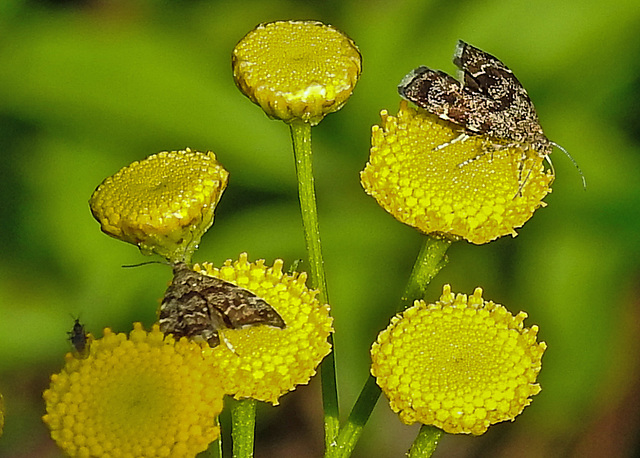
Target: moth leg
{"type": "Point", "coordinates": [460, 138]}
{"type": "Point", "coordinates": [490, 148]}
{"type": "Point", "coordinates": [519, 193]}
{"type": "Point", "coordinates": [227, 343]}
{"type": "Point", "coordinates": [521, 169]}
{"type": "Point", "coordinates": [216, 336]}
{"type": "Point", "coordinates": [485, 150]}
{"type": "Point", "coordinates": [473, 159]}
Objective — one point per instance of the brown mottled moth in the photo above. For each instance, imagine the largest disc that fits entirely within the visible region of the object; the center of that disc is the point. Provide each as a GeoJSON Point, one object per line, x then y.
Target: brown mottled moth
{"type": "Point", "coordinates": [488, 100]}
{"type": "Point", "coordinates": [78, 337]}
{"type": "Point", "coordinates": [198, 306]}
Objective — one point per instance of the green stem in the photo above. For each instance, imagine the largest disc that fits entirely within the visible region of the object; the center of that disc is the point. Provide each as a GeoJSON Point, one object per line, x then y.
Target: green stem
{"type": "Point", "coordinates": [430, 261]}
{"type": "Point", "coordinates": [301, 137]}
{"type": "Point", "coordinates": [215, 448]}
{"type": "Point", "coordinates": [351, 431]}
{"type": "Point", "coordinates": [243, 421]}
{"type": "Point", "coordinates": [426, 442]}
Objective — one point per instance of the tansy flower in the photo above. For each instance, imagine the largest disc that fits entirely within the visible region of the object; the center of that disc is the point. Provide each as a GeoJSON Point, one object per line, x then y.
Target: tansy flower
{"type": "Point", "coordinates": [460, 364]}
{"type": "Point", "coordinates": [142, 396]}
{"type": "Point", "coordinates": [296, 70]}
{"type": "Point", "coordinates": [464, 190]}
{"type": "Point", "coordinates": [163, 204]}
{"type": "Point", "coordinates": [265, 362]}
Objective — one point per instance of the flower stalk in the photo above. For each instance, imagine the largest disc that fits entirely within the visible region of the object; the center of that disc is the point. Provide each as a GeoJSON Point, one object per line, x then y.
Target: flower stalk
{"type": "Point", "coordinates": [301, 138]}
{"type": "Point", "coordinates": [243, 417]}
{"type": "Point", "coordinates": [431, 259]}
{"type": "Point", "coordinates": [426, 442]}
{"type": "Point", "coordinates": [215, 449]}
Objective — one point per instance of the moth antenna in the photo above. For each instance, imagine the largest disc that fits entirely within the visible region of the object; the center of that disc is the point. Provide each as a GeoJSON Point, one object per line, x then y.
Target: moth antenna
{"type": "Point", "coordinates": [584, 181]}
{"type": "Point", "coordinates": [126, 266]}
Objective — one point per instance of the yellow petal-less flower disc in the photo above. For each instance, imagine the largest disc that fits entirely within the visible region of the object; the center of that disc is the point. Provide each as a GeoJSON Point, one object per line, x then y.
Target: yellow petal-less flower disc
{"type": "Point", "coordinates": [461, 364]}
{"type": "Point", "coordinates": [141, 396]}
{"type": "Point", "coordinates": [266, 362]}
{"type": "Point", "coordinates": [296, 70]}
{"type": "Point", "coordinates": [163, 204]}
{"type": "Point", "coordinates": [464, 190]}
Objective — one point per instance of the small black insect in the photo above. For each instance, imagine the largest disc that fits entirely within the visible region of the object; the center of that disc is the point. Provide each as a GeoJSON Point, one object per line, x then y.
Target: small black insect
{"type": "Point", "coordinates": [78, 337]}
{"type": "Point", "coordinates": [198, 306]}
{"type": "Point", "coordinates": [488, 100]}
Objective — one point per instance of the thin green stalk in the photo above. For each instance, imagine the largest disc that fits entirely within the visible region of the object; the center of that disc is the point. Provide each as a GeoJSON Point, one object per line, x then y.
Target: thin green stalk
{"type": "Point", "coordinates": [430, 260]}
{"type": "Point", "coordinates": [243, 425]}
{"type": "Point", "coordinates": [351, 431]}
{"type": "Point", "coordinates": [301, 137]}
{"type": "Point", "coordinates": [426, 442]}
{"type": "Point", "coordinates": [215, 448]}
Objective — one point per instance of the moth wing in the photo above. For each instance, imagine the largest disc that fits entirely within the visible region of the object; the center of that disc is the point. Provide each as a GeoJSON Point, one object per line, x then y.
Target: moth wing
{"type": "Point", "coordinates": [486, 76]}
{"type": "Point", "coordinates": [185, 314]}
{"type": "Point", "coordinates": [239, 307]}
{"type": "Point", "coordinates": [198, 306]}
{"type": "Point", "coordinates": [436, 92]}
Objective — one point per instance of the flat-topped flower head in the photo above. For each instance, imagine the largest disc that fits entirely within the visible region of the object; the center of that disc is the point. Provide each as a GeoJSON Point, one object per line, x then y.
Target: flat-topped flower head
{"type": "Point", "coordinates": [461, 364]}
{"type": "Point", "coordinates": [297, 70]}
{"type": "Point", "coordinates": [264, 362]}
{"type": "Point", "coordinates": [464, 190]}
{"type": "Point", "coordinates": [163, 204]}
{"type": "Point", "coordinates": [137, 395]}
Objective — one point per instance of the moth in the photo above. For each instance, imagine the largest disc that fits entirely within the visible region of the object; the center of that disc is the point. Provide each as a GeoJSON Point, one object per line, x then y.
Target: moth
{"type": "Point", "coordinates": [78, 337]}
{"type": "Point", "coordinates": [199, 306]}
{"type": "Point", "coordinates": [487, 100]}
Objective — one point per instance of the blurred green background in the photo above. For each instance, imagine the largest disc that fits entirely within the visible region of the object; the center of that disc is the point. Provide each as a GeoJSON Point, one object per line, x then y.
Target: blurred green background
{"type": "Point", "coordinates": [86, 87]}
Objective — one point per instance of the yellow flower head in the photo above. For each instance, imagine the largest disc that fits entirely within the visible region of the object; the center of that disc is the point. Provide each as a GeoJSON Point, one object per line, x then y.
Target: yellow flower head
{"type": "Point", "coordinates": [145, 395]}
{"type": "Point", "coordinates": [163, 204]}
{"type": "Point", "coordinates": [461, 364]}
{"type": "Point", "coordinates": [297, 70]}
{"type": "Point", "coordinates": [464, 190]}
{"type": "Point", "coordinates": [266, 362]}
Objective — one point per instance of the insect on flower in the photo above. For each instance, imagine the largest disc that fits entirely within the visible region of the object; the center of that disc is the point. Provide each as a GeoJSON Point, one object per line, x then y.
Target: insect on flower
{"type": "Point", "coordinates": [488, 100]}
{"type": "Point", "coordinates": [199, 306]}
{"type": "Point", "coordinates": [79, 338]}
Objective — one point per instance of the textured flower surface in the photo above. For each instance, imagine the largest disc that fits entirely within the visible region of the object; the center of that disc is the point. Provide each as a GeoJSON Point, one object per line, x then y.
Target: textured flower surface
{"type": "Point", "coordinates": [464, 190]}
{"type": "Point", "coordinates": [461, 364]}
{"type": "Point", "coordinates": [265, 362]}
{"type": "Point", "coordinates": [141, 396]}
{"type": "Point", "coordinates": [163, 204]}
{"type": "Point", "coordinates": [296, 70]}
